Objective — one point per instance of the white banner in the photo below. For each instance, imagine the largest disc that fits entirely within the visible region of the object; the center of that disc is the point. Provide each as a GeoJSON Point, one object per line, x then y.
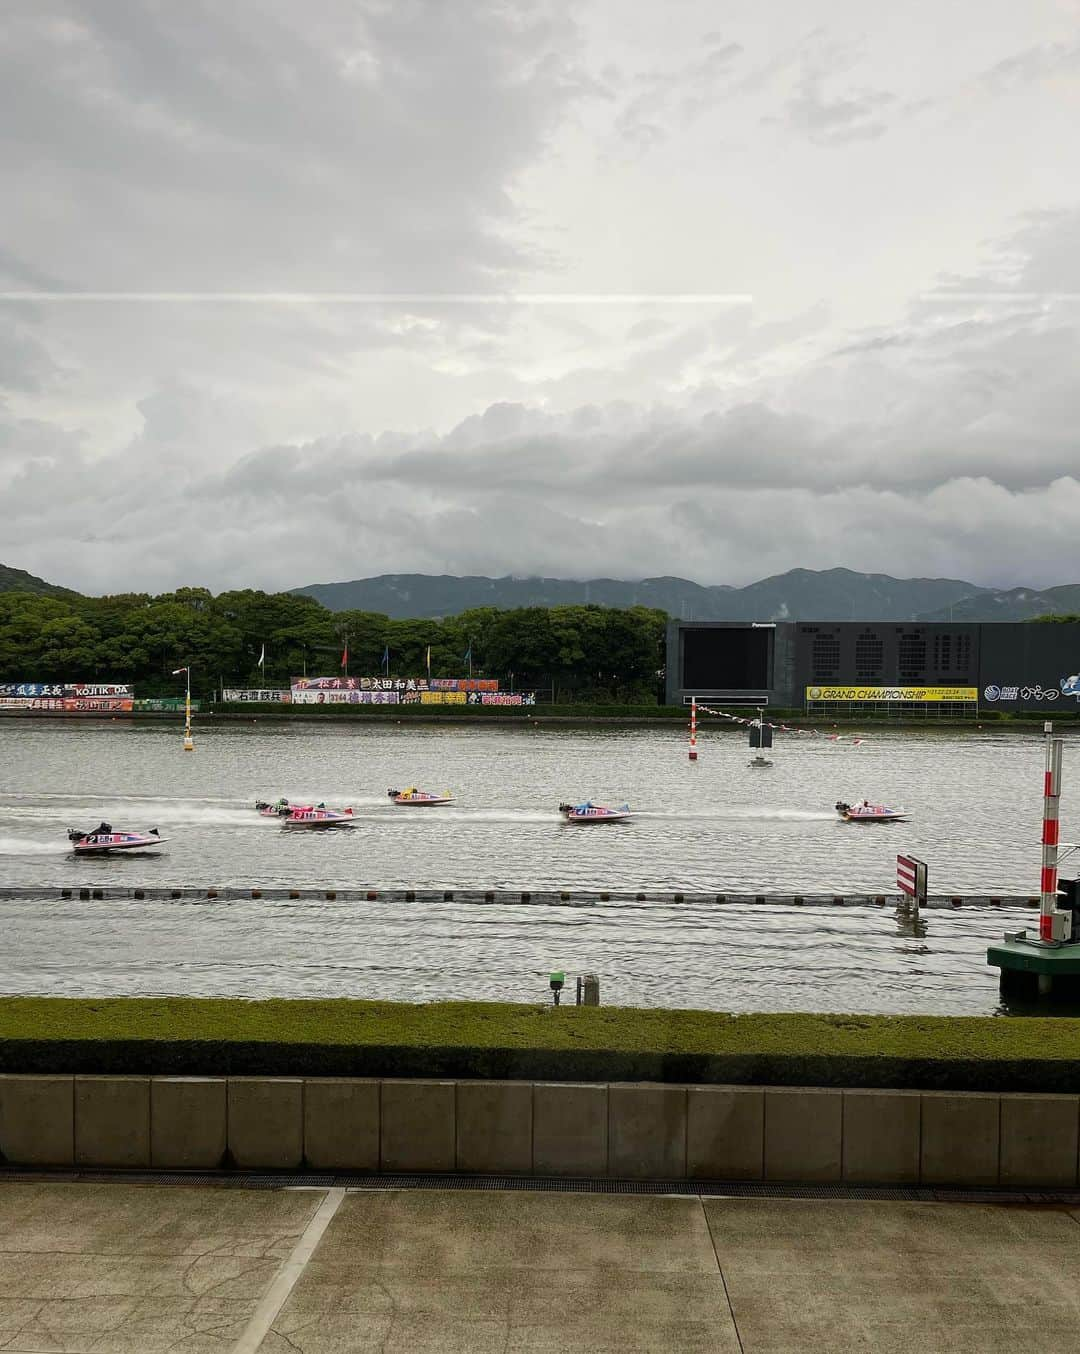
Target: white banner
{"type": "Point", "coordinates": [258, 695]}
{"type": "Point", "coordinates": [344, 697]}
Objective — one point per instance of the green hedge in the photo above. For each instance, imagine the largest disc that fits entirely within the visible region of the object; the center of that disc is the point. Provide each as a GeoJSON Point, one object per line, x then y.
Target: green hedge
{"type": "Point", "coordinates": [493, 1041]}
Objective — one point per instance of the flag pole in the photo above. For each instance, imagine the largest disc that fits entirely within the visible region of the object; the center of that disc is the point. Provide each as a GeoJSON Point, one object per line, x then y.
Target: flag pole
{"type": "Point", "coordinates": [189, 744]}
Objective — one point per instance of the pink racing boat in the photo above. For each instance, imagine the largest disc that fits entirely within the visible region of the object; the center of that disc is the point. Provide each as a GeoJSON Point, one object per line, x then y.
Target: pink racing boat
{"type": "Point", "coordinates": [104, 839]}
{"type": "Point", "coordinates": [419, 798]}
{"type": "Point", "coordinates": [869, 813]}
{"type": "Point", "coordinates": [321, 817]}
{"type": "Point", "coordinates": [594, 813]}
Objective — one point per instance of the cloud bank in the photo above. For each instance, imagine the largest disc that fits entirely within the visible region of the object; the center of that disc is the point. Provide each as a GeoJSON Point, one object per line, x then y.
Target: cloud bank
{"type": "Point", "coordinates": [899, 396]}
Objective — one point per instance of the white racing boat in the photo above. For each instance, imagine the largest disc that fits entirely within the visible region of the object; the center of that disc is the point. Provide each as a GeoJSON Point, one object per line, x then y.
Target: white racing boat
{"type": "Point", "coordinates": [104, 839]}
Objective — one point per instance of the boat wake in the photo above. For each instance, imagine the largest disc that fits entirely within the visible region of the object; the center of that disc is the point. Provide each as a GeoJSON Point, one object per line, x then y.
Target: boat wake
{"type": "Point", "coordinates": [76, 809]}
{"type": "Point", "coordinates": [741, 812]}
{"type": "Point", "coordinates": [19, 846]}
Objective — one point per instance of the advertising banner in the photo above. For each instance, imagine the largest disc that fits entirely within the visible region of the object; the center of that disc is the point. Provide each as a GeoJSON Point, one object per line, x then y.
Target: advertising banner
{"type": "Point", "coordinates": [1033, 692]}
{"type": "Point", "coordinates": [892, 693]}
{"type": "Point", "coordinates": [72, 705]}
{"type": "Point", "coordinates": [257, 695]}
{"type": "Point", "coordinates": [326, 683]}
{"type": "Point", "coordinates": [464, 684]}
{"type": "Point", "coordinates": [443, 698]}
{"type": "Point", "coordinates": [502, 698]}
{"type": "Point", "coordinates": [307, 697]}
{"type": "Point", "coordinates": [98, 704]}
{"type": "Point", "coordinates": [65, 689]}
{"type": "Point", "coordinates": [395, 684]}
{"type": "Point", "coordinates": [172, 703]}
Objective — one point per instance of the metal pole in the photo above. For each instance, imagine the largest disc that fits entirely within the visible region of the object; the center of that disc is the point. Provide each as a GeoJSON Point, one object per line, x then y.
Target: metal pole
{"type": "Point", "coordinates": [693, 728]}
{"type": "Point", "coordinates": [189, 745]}
{"type": "Point", "coordinates": [1050, 834]}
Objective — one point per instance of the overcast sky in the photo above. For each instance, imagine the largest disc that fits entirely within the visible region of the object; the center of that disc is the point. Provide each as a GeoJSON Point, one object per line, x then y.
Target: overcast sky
{"type": "Point", "coordinates": [299, 293]}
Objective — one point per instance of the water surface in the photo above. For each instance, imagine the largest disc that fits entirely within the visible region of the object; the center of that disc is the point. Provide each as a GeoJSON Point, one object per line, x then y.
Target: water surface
{"type": "Point", "coordinates": [714, 826]}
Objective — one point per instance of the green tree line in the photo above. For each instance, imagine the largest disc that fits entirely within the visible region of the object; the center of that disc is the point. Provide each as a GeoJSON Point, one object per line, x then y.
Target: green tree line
{"type": "Point", "coordinates": [567, 652]}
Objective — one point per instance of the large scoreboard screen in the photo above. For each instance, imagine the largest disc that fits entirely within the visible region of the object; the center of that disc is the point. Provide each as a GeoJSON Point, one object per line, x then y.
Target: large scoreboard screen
{"type": "Point", "coordinates": [726, 658]}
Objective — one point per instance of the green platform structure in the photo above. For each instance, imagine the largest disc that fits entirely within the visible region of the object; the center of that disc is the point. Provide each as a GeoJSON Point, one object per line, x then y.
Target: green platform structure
{"type": "Point", "coordinates": [1046, 965]}
{"type": "Point", "coordinates": [1031, 969]}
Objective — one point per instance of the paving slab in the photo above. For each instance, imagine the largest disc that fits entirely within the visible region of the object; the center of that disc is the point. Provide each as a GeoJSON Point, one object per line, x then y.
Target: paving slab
{"type": "Point", "coordinates": [455, 1231]}
{"type": "Point", "coordinates": [822, 1276]}
{"type": "Point", "coordinates": [125, 1269]}
{"type": "Point", "coordinates": [118, 1268]}
{"type": "Point", "coordinates": [510, 1271]}
{"type": "Point", "coordinates": [118, 1219]}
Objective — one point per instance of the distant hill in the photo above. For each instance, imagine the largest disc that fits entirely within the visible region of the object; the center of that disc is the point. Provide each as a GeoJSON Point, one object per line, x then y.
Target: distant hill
{"type": "Point", "coordinates": [18, 580]}
{"type": "Point", "coordinates": [800, 594]}
{"type": "Point", "coordinates": [1017, 604]}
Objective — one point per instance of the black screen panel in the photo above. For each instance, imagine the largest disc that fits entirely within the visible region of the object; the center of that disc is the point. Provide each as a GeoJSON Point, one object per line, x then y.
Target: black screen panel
{"type": "Point", "coordinates": [726, 660]}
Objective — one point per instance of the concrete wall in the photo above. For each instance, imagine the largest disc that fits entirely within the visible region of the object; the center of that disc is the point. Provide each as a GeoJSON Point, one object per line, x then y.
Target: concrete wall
{"type": "Point", "coordinates": [626, 1131]}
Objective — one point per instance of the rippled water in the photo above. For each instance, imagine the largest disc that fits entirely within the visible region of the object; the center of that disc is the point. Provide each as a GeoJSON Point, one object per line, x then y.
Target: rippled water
{"type": "Point", "coordinates": [714, 826]}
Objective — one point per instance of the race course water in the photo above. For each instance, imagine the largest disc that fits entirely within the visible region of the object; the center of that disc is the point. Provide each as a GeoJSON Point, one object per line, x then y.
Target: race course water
{"type": "Point", "coordinates": [717, 826]}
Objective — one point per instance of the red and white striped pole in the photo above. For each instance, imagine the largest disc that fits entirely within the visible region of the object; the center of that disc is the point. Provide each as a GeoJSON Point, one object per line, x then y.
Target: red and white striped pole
{"type": "Point", "coordinates": [693, 728]}
{"type": "Point", "coordinates": [1051, 795]}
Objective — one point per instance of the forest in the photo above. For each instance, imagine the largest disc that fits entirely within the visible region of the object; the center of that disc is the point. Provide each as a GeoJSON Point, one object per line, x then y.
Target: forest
{"type": "Point", "coordinates": [563, 652]}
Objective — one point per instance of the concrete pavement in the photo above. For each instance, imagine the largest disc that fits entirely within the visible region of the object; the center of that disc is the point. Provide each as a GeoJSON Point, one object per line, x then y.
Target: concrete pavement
{"type": "Point", "coordinates": [121, 1268]}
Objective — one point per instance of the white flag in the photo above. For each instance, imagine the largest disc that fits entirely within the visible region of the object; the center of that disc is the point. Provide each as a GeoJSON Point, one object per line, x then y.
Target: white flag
{"type": "Point", "coordinates": [178, 671]}
{"type": "Point", "coordinates": [262, 657]}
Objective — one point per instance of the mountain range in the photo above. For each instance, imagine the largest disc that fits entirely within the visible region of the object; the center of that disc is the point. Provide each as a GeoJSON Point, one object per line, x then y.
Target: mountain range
{"type": "Point", "coordinates": [799, 594]}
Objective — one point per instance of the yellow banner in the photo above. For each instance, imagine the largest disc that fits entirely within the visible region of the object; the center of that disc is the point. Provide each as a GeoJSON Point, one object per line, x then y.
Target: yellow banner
{"type": "Point", "coordinates": [443, 698]}
{"type": "Point", "coordinates": [892, 693]}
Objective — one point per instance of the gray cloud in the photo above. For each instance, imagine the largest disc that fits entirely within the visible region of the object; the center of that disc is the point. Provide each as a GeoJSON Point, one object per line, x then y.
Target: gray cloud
{"type": "Point", "coordinates": [659, 101]}
{"type": "Point", "coordinates": [1044, 61]}
{"type": "Point", "coordinates": [952, 450]}
{"type": "Point", "coordinates": [832, 119]}
{"type": "Point", "coordinates": [418, 147]}
{"type": "Point", "coordinates": [302, 149]}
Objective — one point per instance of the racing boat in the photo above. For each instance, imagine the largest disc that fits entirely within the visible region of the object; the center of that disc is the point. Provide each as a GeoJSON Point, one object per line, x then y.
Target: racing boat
{"type": "Point", "coordinates": [279, 809]}
{"type": "Point", "coordinates": [321, 817]}
{"type": "Point", "coordinates": [594, 813]}
{"type": "Point", "coordinates": [870, 813]}
{"type": "Point", "coordinates": [104, 839]}
{"type": "Point", "coordinates": [419, 798]}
